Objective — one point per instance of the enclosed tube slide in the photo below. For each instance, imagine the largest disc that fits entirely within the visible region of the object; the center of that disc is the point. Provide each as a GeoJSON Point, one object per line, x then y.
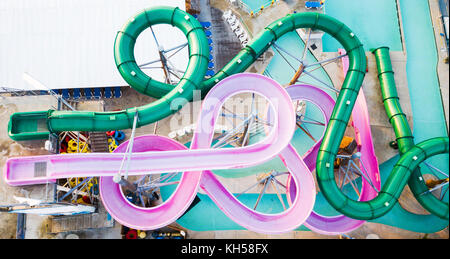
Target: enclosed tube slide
{"type": "Point", "coordinates": [401, 173]}
{"type": "Point", "coordinates": [40, 169]}
{"type": "Point", "coordinates": [37, 125]}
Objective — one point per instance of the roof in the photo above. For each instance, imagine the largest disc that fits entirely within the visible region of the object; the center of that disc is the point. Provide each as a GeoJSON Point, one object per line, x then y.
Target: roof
{"type": "Point", "coordinates": [69, 44]}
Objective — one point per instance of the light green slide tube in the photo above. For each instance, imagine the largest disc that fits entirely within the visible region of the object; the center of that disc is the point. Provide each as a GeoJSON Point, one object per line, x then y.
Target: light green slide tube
{"type": "Point", "coordinates": [38, 125]}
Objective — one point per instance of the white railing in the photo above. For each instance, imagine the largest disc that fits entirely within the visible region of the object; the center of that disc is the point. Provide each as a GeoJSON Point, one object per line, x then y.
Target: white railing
{"type": "Point", "coordinates": [238, 26]}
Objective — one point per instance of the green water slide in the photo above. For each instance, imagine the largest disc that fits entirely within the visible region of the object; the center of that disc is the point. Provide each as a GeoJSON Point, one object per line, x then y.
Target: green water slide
{"type": "Point", "coordinates": [405, 170]}
{"type": "Point", "coordinates": [37, 125]}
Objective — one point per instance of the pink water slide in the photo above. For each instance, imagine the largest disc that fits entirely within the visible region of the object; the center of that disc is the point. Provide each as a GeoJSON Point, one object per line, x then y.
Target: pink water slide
{"type": "Point", "coordinates": [156, 154]}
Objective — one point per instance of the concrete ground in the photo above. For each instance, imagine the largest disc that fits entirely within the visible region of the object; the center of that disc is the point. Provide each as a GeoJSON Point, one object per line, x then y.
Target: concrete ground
{"type": "Point", "coordinates": [226, 46]}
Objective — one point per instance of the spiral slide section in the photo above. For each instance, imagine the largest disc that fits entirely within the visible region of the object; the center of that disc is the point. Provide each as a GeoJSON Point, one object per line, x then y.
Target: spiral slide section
{"type": "Point", "coordinates": [37, 125]}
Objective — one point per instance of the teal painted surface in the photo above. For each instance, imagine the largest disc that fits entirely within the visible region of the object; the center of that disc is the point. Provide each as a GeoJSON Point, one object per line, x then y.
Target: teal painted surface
{"type": "Point", "coordinates": [282, 67]}
{"type": "Point", "coordinates": [255, 5]}
{"type": "Point", "coordinates": [374, 22]}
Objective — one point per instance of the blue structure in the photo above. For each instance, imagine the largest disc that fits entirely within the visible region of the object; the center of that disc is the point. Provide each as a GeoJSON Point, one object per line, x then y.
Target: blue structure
{"type": "Point", "coordinates": [117, 92]}
{"type": "Point", "coordinates": [108, 92]}
{"type": "Point", "coordinates": [20, 229]}
{"type": "Point", "coordinates": [97, 93]}
{"type": "Point", "coordinates": [65, 93]}
{"type": "Point", "coordinates": [313, 4]}
{"type": "Point", "coordinates": [76, 93]}
{"type": "Point", "coordinates": [88, 93]}
{"type": "Point", "coordinates": [206, 25]}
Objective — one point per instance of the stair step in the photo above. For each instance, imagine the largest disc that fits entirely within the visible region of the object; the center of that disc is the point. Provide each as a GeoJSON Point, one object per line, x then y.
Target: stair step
{"type": "Point", "coordinates": [99, 142]}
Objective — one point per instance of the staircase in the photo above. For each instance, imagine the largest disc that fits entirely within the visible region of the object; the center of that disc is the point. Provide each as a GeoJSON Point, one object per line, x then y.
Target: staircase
{"type": "Point", "coordinates": [99, 142]}
{"type": "Point", "coordinates": [99, 219]}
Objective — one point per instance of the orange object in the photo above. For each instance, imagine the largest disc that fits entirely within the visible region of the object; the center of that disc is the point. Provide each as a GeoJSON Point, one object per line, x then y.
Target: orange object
{"type": "Point", "coordinates": [345, 142]}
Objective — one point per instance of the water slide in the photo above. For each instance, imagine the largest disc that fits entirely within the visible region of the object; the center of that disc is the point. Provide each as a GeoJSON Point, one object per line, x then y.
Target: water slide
{"type": "Point", "coordinates": [23, 170]}
{"type": "Point", "coordinates": [119, 120]}
{"type": "Point", "coordinates": [397, 217]}
{"type": "Point", "coordinates": [319, 222]}
{"type": "Point", "coordinates": [37, 125]}
{"type": "Point", "coordinates": [130, 71]}
{"type": "Point", "coordinates": [333, 225]}
{"type": "Point", "coordinates": [403, 170]}
{"type": "Point", "coordinates": [403, 133]}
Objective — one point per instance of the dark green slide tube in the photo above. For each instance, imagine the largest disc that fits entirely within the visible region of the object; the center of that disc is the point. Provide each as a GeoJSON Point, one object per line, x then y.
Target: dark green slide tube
{"type": "Point", "coordinates": [402, 171]}
{"type": "Point", "coordinates": [403, 133]}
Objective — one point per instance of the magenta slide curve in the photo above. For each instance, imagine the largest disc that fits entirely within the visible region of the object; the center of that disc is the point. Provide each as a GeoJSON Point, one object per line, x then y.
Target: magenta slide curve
{"type": "Point", "coordinates": [161, 155]}
{"type": "Point", "coordinates": [316, 222]}
{"type": "Point", "coordinates": [342, 224]}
